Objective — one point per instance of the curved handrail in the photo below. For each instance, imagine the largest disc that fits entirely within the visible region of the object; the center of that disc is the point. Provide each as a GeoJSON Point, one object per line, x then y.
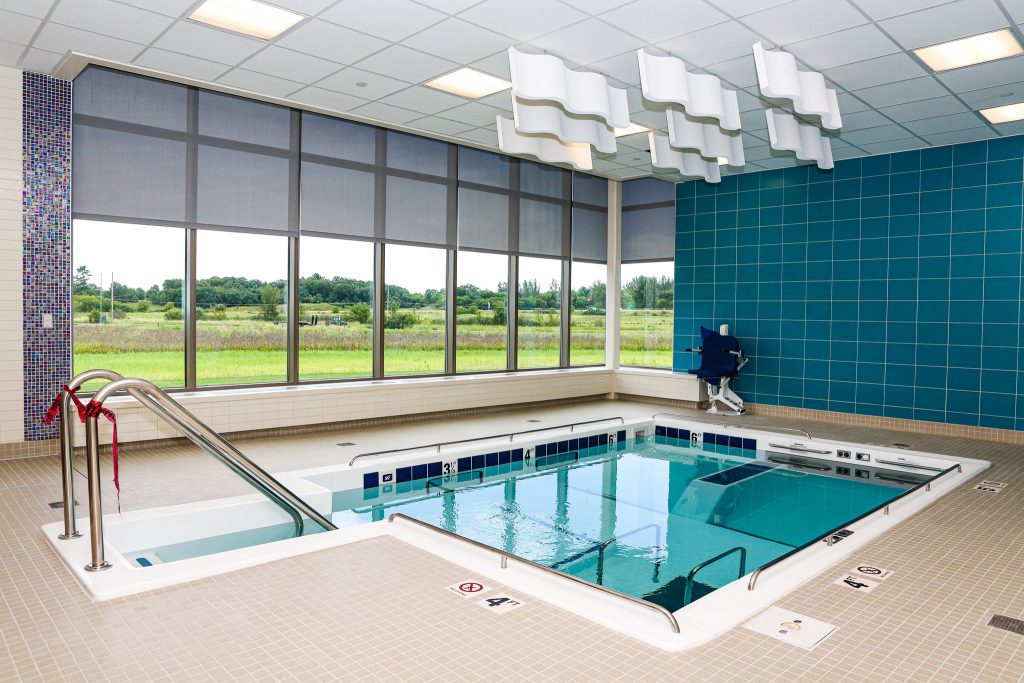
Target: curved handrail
{"type": "Point", "coordinates": [511, 437]}
{"type": "Point", "coordinates": [67, 446]}
{"type": "Point", "coordinates": [733, 423]}
{"type": "Point", "coordinates": [505, 556]}
{"type": "Point", "coordinates": [213, 443]}
{"type": "Point", "coordinates": [927, 484]}
{"type": "Point", "coordinates": [688, 591]}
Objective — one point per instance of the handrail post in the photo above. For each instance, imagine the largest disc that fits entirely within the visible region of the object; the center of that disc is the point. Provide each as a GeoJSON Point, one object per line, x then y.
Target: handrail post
{"type": "Point", "coordinates": [92, 449]}
{"type": "Point", "coordinates": [67, 472]}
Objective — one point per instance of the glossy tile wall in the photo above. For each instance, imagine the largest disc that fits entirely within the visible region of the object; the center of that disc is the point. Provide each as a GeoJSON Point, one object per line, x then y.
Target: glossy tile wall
{"type": "Point", "coordinates": [890, 286]}
{"type": "Point", "coordinates": [11, 368]}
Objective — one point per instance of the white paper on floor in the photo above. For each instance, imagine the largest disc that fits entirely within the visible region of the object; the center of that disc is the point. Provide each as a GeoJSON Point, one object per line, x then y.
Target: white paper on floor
{"type": "Point", "coordinates": [790, 627]}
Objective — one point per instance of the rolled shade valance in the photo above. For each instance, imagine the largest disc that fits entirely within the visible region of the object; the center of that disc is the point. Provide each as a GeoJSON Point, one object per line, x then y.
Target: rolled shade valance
{"type": "Point", "coordinates": [648, 220]}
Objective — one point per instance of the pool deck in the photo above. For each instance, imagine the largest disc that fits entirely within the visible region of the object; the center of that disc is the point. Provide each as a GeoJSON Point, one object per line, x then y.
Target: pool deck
{"type": "Point", "coordinates": [380, 610]}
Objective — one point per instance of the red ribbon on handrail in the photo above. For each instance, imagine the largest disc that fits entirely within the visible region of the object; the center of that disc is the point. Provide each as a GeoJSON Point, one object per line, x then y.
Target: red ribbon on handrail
{"type": "Point", "coordinates": [91, 410]}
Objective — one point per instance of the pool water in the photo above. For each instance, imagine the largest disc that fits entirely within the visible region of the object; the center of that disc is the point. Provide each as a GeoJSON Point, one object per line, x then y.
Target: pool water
{"type": "Point", "coordinates": [636, 517]}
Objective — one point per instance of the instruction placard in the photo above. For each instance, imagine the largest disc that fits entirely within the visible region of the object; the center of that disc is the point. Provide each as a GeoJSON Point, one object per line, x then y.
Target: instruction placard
{"type": "Point", "coordinates": [790, 627]}
{"type": "Point", "coordinates": [468, 589]}
{"type": "Point", "coordinates": [867, 571]}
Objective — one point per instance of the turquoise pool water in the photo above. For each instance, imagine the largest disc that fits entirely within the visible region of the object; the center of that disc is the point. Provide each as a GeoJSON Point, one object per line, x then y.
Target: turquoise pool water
{"type": "Point", "coordinates": [637, 517]}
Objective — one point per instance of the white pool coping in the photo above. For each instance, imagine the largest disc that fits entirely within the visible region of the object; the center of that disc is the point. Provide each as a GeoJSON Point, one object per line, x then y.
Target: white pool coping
{"type": "Point", "coordinates": [698, 622]}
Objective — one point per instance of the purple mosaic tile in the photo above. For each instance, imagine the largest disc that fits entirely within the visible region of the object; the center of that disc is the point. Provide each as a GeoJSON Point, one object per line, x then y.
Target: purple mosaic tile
{"type": "Point", "coordinates": [46, 255]}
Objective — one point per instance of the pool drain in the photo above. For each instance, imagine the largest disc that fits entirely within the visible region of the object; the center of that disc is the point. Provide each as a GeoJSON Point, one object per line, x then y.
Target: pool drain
{"type": "Point", "coordinates": [1007, 624]}
{"type": "Point", "coordinates": [58, 505]}
{"type": "Point", "coordinates": [347, 443]}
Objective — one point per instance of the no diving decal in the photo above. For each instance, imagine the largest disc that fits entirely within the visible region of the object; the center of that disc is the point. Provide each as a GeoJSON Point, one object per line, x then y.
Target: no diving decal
{"type": "Point", "coordinates": [468, 589]}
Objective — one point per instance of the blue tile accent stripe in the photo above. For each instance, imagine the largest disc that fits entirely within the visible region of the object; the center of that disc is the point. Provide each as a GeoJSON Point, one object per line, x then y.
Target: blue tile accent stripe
{"type": "Point", "coordinates": [46, 247]}
{"type": "Point", "coordinates": [891, 286]}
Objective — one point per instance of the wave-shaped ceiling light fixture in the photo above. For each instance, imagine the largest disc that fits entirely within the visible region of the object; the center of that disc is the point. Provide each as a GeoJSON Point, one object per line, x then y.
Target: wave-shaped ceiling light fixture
{"type": "Point", "coordinates": [545, 77]}
{"type": "Point", "coordinates": [788, 134]}
{"type": "Point", "coordinates": [547, 149]}
{"type": "Point", "coordinates": [535, 118]}
{"type": "Point", "coordinates": [686, 132]}
{"type": "Point", "coordinates": [779, 78]}
{"type": "Point", "coordinates": [688, 164]}
{"type": "Point", "coordinates": [665, 79]}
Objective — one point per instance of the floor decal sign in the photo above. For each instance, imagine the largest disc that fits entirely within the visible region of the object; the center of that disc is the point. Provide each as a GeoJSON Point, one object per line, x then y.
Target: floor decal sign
{"type": "Point", "coordinates": [500, 604]}
{"type": "Point", "coordinates": [857, 583]}
{"type": "Point", "coordinates": [468, 589]}
{"type": "Point", "coordinates": [867, 571]}
{"type": "Point", "coordinates": [790, 627]}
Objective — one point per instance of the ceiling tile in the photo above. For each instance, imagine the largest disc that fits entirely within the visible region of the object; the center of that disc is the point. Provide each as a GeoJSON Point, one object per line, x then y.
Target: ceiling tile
{"type": "Point", "coordinates": [989, 75]}
{"type": "Point", "coordinates": [434, 124]}
{"type": "Point", "coordinates": [804, 19]}
{"type": "Point", "coordinates": [424, 100]}
{"type": "Point", "coordinates": [59, 38]}
{"type": "Point", "coordinates": [718, 43]}
{"type": "Point", "coordinates": [390, 19]}
{"type": "Point", "coordinates": [259, 83]}
{"type": "Point", "coordinates": [36, 9]}
{"type": "Point", "coordinates": [883, 9]}
{"type": "Point", "coordinates": [944, 124]}
{"type": "Point", "coordinates": [17, 28]}
{"type": "Point", "coordinates": [374, 86]}
{"type": "Point", "coordinates": [849, 103]}
{"type": "Point", "coordinates": [605, 166]}
{"type": "Point", "coordinates": [501, 100]}
{"type": "Point", "coordinates": [897, 67]}
{"type": "Point", "coordinates": [291, 65]}
{"type": "Point", "coordinates": [10, 53]}
{"type": "Point", "coordinates": [902, 92]}
{"type": "Point", "coordinates": [994, 97]}
{"type": "Point", "coordinates": [307, 7]}
{"type": "Point", "coordinates": [112, 19]}
{"type": "Point", "coordinates": [495, 65]}
{"type": "Point", "coordinates": [739, 72]}
{"type": "Point", "coordinates": [953, 137]}
{"type": "Point", "coordinates": [327, 99]}
{"type": "Point", "coordinates": [863, 119]}
{"type": "Point", "coordinates": [890, 146]}
{"type": "Point", "coordinates": [330, 41]}
{"type": "Point", "coordinates": [172, 62]}
{"type": "Point", "coordinates": [458, 41]}
{"type": "Point", "coordinates": [624, 68]}
{"type": "Point", "coordinates": [651, 119]}
{"type": "Point", "coordinates": [844, 47]}
{"type": "Point", "coordinates": [923, 109]}
{"type": "Point", "coordinates": [847, 153]}
{"type": "Point", "coordinates": [482, 136]}
{"type": "Point", "coordinates": [739, 8]}
{"type": "Point", "coordinates": [587, 42]}
{"type": "Point", "coordinates": [407, 64]}
{"type": "Point", "coordinates": [595, 7]}
{"type": "Point", "coordinates": [171, 8]}
{"type": "Point", "coordinates": [749, 101]}
{"type": "Point", "coordinates": [385, 112]}
{"type": "Point", "coordinates": [523, 19]}
{"type": "Point", "coordinates": [635, 99]}
{"type": "Point", "coordinates": [40, 60]}
{"type": "Point", "coordinates": [208, 43]}
{"type": "Point", "coordinates": [658, 20]}
{"type": "Point", "coordinates": [946, 22]}
{"type": "Point", "coordinates": [877, 134]}
{"type": "Point", "coordinates": [1010, 128]}
{"type": "Point", "coordinates": [1016, 10]}
{"type": "Point", "coordinates": [473, 114]}
{"type": "Point", "coordinates": [451, 6]}
{"type": "Point", "coordinates": [778, 162]}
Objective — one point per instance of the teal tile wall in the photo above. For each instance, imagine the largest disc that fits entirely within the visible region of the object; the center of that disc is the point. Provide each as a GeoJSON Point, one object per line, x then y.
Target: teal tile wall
{"type": "Point", "coordinates": [889, 286]}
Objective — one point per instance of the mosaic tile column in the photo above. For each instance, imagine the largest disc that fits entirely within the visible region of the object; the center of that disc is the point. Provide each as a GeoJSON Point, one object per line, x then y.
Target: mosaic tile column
{"type": "Point", "coordinates": [46, 256]}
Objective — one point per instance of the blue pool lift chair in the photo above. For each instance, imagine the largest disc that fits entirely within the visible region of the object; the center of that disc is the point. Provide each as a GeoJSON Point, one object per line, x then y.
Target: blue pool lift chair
{"type": "Point", "coordinates": [721, 360]}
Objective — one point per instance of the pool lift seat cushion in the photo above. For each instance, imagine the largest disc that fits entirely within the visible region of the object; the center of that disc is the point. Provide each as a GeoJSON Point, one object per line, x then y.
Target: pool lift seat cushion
{"type": "Point", "coordinates": [721, 359]}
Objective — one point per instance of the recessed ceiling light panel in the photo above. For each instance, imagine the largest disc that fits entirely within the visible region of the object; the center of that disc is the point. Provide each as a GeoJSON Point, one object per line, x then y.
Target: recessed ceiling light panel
{"type": "Point", "coordinates": [631, 129]}
{"type": "Point", "coordinates": [967, 51]}
{"type": "Point", "coordinates": [248, 17]}
{"type": "Point", "coordinates": [470, 83]}
{"type": "Point", "coordinates": [1005, 113]}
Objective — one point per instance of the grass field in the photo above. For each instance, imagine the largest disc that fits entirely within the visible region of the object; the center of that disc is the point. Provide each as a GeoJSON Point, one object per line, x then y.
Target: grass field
{"type": "Point", "coordinates": [240, 349]}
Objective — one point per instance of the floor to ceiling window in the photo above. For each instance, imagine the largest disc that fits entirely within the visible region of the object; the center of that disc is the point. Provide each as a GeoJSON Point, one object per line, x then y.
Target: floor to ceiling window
{"type": "Point", "coordinates": [481, 330]}
{"type": "Point", "coordinates": [414, 309]}
{"type": "Point", "coordinates": [589, 272]}
{"type": "Point", "coordinates": [540, 318]}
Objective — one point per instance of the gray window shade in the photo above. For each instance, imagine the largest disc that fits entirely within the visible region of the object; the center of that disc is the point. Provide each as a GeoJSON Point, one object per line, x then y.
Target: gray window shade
{"type": "Point", "coordinates": [647, 191]}
{"type": "Point", "coordinates": [541, 231]}
{"type": "Point", "coordinates": [337, 201]}
{"type": "Point", "coordinates": [241, 120]}
{"type": "Point", "coordinates": [116, 173]}
{"type": "Point", "coordinates": [540, 179]}
{"type": "Point", "coordinates": [338, 139]}
{"type": "Point", "coordinates": [589, 189]}
{"type": "Point", "coordinates": [648, 234]}
{"type": "Point", "coordinates": [413, 153]}
{"type": "Point", "coordinates": [483, 168]}
{"type": "Point", "coordinates": [483, 220]}
{"type": "Point", "coordinates": [417, 212]}
{"type": "Point", "coordinates": [131, 99]}
{"type": "Point", "coordinates": [589, 235]}
{"type": "Point", "coordinates": [242, 190]}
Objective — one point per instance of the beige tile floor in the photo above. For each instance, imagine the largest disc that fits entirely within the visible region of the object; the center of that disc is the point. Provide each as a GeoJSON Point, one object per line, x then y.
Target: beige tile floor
{"type": "Point", "coordinates": [377, 610]}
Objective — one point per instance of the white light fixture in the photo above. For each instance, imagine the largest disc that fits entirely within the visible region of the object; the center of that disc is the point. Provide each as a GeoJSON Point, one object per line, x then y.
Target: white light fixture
{"type": "Point", "coordinates": [967, 51]}
{"type": "Point", "coordinates": [466, 82]}
{"type": "Point", "coordinates": [1005, 113]}
{"type": "Point", "coordinates": [248, 17]}
{"type": "Point", "coordinates": [631, 129]}
{"type": "Point", "coordinates": [722, 161]}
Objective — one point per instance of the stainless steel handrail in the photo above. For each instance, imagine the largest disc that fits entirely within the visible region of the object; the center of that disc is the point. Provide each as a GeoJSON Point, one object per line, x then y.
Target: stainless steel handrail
{"type": "Point", "coordinates": [67, 447]}
{"type": "Point", "coordinates": [911, 465]}
{"type": "Point", "coordinates": [884, 506]}
{"type": "Point", "coordinates": [505, 556]}
{"type": "Point", "coordinates": [511, 437]}
{"type": "Point", "coordinates": [733, 423]}
{"type": "Point", "coordinates": [799, 447]}
{"type": "Point", "coordinates": [154, 398]}
{"type": "Point", "coordinates": [688, 591]}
